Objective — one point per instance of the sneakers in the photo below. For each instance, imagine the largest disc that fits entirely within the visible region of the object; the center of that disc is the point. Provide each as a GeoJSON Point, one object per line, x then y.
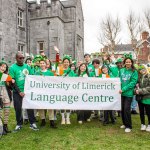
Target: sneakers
{"type": "Point", "coordinates": [88, 120]}
{"type": "Point", "coordinates": [68, 121]}
{"type": "Point", "coordinates": [18, 127]}
{"type": "Point", "coordinates": [122, 127]}
{"type": "Point", "coordinates": [33, 127]}
{"type": "Point", "coordinates": [148, 128]}
{"type": "Point", "coordinates": [143, 127]}
{"type": "Point", "coordinates": [80, 122]}
{"type": "Point", "coordinates": [127, 130]}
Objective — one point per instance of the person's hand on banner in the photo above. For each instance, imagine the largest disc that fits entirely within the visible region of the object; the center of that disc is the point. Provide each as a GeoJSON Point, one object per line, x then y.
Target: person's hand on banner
{"type": "Point", "coordinates": [13, 81]}
{"type": "Point", "coordinates": [21, 94]}
{"type": "Point", "coordinates": [56, 49]}
{"type": "Point", "coordinates": [120, 92]}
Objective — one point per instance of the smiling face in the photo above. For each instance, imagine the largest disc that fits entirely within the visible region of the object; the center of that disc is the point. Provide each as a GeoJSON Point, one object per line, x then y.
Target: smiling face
{"type": "Point", "coordinates": [29, 62]}
{"type": "Point", "coordinates": [43, 65]}
{"type": "Point", "coordinates": [82, 68]}
{"type": "Point", "coordinates": [128, 63]}
{"type": "Point", "coordinates": [66, 63]}
{"type": "Point", "coordinates": [3, 68]}
{"type": "Point", "coordinates": [105, 70]}
{"type": "Point", "coordinates": [87, 58]}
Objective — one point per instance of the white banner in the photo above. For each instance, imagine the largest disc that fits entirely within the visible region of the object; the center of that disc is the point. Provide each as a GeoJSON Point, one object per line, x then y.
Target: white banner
{"type": "Point", "coordinates": [74, 93]}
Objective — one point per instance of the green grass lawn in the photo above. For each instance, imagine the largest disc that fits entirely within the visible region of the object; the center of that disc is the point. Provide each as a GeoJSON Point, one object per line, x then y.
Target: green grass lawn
{"type": "Point", "coordinates": [89, 136]}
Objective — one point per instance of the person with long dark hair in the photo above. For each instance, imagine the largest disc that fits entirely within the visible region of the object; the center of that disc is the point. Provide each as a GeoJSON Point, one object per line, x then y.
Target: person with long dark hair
{"type": "Point", "coordinates": [83, 115]}
{"type": "Point", "coordinates": [129, 77]}
{"type": "Point", "coordinates": [65, 71]}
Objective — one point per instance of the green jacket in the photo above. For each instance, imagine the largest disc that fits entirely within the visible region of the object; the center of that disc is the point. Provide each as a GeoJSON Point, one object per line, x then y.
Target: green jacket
{"type": "Point", "coordinates": [144, 88]}
{"type": "Point", "coordinates": [128, 81]}
{"type": "Point", "coordinates": [69, 73]}
{"type": "Point", "coordinates": [91, 69]}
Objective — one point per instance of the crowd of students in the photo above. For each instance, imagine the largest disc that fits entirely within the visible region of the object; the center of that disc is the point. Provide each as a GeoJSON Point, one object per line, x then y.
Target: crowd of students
{"type": "Point", "coordinates": [135, 80]}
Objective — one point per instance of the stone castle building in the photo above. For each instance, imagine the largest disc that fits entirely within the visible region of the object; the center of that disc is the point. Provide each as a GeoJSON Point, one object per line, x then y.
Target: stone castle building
{"type": "Point", "coordinates": [33, 26]}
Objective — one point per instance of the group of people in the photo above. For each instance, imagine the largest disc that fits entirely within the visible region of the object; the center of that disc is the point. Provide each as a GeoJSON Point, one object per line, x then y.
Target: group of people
{"type": "Point", "coordinates": [135, 82]}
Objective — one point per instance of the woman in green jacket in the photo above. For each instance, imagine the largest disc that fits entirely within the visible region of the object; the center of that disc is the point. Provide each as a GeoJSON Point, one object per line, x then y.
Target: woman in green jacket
{"type": "Point", "coordinates": [128, 77]}
{"type": "Point", "coordinates": [83, 115]}
{"type": "Point", "coordinates": [144, 91]}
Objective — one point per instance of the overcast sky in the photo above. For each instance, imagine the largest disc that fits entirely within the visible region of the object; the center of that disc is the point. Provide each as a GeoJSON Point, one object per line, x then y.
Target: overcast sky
{"type": "Point", "coordinates": [95, 10]}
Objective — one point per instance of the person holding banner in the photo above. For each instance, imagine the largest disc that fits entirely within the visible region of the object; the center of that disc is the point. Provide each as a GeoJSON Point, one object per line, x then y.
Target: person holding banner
{"type": "Point", "coordinates": [107, 113]}
{"type": "Point", "coordinates": [83, 115]}
{"type": "Point", "coordinates": [129, 77]}
{"type": "Point", "coordinates": [87, 59]}
{"type": "Point", "coordinates": [45, 71]}
{"type": "Point", "coordinates": [18, 72]}
{"type": "Point", "coordinates": [5, 99]}
{"type": "Point", "coordinates": [65, 71]}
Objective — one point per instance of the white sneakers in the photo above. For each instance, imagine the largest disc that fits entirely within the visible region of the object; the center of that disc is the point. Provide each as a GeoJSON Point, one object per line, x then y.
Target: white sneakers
{"type": "Point", "coordinates": [65, 121]}
{"type": "Point", "coordinates": [127, 130]}
{"type": "Point", "coordinates": [122, 127]}
{"type": "Point", "coordinates": [68, 121]}
{"type": "Point", "coordinates": [88, 120]}
{"type": "Point", "coordinates": [143, 127]}
{"type": "Point", "coordinates": [80, 122]}
{"type": "Point", "coordinates": [148, 128]}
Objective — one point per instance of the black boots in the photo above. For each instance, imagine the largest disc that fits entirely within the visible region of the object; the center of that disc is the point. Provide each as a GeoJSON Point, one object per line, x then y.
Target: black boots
{"type": "Point", "coordinates": [52, 124]}
{"type": "Point", "coordinates": [5, 129]}
{"type": "Point", "coordinates": [43, 123]}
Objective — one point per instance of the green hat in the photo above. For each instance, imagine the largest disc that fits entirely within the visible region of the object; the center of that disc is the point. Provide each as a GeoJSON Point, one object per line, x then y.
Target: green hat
{"type": "Point", "coordinates": [129, 55]}
{"type": "Point", "coordinates": [37, 58]}
{"type": "Point", "coordinates": [3, 61]}
{"type": "Point", "coordinates": [66, 57]}
{"type": "Point", "coordinates": [119, 60]}
{"type": "Point", "coordinates": [141, 67]}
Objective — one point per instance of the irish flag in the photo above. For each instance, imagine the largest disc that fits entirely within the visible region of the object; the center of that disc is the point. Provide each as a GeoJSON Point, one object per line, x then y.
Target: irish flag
{"type": "Point", "coordinates": [5, 77]}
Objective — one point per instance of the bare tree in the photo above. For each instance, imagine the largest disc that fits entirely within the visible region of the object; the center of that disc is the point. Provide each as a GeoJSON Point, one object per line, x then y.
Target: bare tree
{"type": "Point", "coordinates": [110, 28]}
{"type": "Point", "coordinates": [135, 27]}
{"type": "Point", "coordinates": [147, 17]}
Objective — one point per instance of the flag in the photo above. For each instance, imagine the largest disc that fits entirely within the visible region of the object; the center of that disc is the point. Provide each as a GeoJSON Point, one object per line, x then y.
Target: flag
{"type": "Point", "coordinates": [5, 77]}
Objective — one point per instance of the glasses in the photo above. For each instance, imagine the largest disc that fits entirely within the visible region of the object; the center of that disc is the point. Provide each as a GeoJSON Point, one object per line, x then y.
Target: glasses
{"type": "Point", "coordinates": [21, 58]}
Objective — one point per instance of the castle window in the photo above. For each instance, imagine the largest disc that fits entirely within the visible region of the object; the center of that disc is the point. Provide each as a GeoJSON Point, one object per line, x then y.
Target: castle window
{"type": "Point", "coordinates": [20, 48]}
{"type": "Point", "coordinates": [41, 45]}
{"type": "Point", "coordinates": [20, 18]}
{"type": "Point", "coordinates": [79, 23]}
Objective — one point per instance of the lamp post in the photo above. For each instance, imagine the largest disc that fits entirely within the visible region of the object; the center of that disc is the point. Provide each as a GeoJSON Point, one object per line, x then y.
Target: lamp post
{"type": "Point", "coordinates": [48, 24]}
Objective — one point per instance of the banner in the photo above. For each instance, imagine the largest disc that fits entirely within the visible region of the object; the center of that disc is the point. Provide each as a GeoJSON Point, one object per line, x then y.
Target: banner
{"type": "Point", "coordinates": [74, 93]}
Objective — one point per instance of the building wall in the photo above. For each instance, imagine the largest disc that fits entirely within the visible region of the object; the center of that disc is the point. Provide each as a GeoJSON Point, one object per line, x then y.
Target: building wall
{"type": "Point", "coordinates": [10, 33]}
{"type": "Point", "coordinates": [63, 31]}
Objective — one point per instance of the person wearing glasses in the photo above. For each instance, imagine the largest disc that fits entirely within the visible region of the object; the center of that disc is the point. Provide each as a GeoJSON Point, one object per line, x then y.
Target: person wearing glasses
{"type": "Point", "coordinates": [18, 71]}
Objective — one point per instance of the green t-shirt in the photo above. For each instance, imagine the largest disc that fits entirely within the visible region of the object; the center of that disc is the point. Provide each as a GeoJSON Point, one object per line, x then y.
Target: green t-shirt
{"type": "Point", "coordinates": [18, 73]}
{"type": "Point", "coordinates": [45, 73]}
{"type": "Point", "coordinates": [146, 101]}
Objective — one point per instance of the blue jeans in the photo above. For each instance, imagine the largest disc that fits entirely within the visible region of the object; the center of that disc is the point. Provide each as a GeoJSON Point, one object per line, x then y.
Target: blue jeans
{"type": "Point", "coordinates": [134, 103]}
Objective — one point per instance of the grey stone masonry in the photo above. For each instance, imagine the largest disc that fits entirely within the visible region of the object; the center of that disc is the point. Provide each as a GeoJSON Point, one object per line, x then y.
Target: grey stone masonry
{"type": "Point", "coordinates": [31, 27]}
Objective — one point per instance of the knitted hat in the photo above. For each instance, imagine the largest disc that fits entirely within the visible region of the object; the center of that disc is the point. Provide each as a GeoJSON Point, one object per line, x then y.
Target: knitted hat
{"type": "Point", "coordinates": [119, 60]}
